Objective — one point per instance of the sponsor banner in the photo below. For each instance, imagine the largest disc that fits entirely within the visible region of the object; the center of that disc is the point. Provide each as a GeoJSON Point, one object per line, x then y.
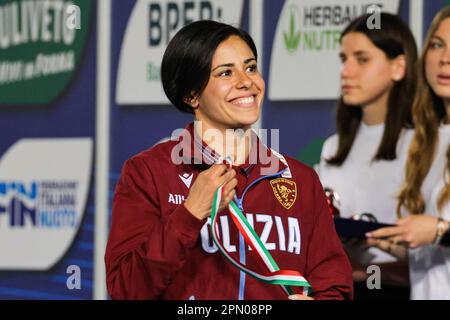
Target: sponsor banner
{"type": "Point", "coordinates": [47, 116]}
{"type": "Point", "coordinates": [150, 27]}
{"type": "Point", "coordinates": [308, 31]}
{"type": "Point", "coordinates": [41, 45]}
{"type": "Point", "coordinates": [44, 186]}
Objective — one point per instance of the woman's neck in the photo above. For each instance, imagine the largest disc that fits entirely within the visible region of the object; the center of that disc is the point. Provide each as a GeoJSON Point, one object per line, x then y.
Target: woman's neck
{"type": "Point", "coordinates": [375, 113]}
{"type": "Point", "coordinates": [233, 143]}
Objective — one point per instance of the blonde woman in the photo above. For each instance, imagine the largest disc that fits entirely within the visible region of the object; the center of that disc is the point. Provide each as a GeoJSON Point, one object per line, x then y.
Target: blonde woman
{"type": "Point", "coordinates": [424, 200]}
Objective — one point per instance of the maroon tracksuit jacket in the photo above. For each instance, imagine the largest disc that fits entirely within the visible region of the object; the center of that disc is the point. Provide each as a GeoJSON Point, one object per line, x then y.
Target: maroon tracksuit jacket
{"type": "Point", "coordinates": [158, 250]}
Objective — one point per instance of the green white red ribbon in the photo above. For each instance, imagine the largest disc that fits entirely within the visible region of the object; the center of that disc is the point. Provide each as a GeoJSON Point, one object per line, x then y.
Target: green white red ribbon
{"type": "Point", "coordinates": [285, 278]}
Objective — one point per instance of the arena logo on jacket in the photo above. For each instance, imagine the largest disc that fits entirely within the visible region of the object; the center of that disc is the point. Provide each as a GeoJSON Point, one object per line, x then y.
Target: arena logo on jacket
{"type": "Point", "coordinates": [41, 46]}
{"type": "Point", "coordinates": [309, 31]}
{"type": "Point", "coordinates": [44, 186]}
{"type": "Point", "coordinates": [151, 26]}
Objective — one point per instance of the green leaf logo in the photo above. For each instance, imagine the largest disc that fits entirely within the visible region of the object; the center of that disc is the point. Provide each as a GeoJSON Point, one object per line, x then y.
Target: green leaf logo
{"type": "Point", "coordinates": [292, 38]}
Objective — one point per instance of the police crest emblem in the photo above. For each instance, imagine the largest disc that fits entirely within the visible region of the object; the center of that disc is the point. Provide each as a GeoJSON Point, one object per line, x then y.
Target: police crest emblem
{"type": "Point", "coordinates": [285, 191]}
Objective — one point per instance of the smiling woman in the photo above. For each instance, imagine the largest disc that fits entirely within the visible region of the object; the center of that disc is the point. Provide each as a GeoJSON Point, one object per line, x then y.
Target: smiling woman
{"type": "Point", "coordinates": [159, 248]}
{"type": "Point", "coordinates": [233, 95]}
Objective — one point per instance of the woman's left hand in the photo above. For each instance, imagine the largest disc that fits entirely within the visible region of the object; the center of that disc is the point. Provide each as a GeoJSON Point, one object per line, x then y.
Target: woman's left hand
{"type": "Point", "coordinates": [412, 231]}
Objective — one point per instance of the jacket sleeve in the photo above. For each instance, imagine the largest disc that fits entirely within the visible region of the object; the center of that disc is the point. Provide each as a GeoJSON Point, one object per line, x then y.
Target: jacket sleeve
{"type": "Point", "coordinates": [328, 268]}
{"type": "Point", "coordinates": [145, 249]}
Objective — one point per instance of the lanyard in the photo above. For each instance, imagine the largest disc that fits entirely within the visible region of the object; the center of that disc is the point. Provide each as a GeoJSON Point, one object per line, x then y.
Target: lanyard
{"type": "Point", "coordinates": [285, 278]}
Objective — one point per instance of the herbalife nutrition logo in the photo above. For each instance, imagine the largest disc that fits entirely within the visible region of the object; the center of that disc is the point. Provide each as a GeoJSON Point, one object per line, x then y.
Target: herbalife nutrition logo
{"type": "Point", "coordinates": [313, 27]}
{"type": "Point", "coordinates": [292, 36]}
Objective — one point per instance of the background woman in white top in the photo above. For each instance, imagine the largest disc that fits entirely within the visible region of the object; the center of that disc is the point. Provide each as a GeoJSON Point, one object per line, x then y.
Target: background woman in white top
{"type": "Point", "coordinates": [363, 162]}
{"type": "Point", "coordinates": [424, 200]}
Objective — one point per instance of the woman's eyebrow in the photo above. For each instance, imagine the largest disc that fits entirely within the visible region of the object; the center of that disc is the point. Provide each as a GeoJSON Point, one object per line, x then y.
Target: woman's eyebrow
{"type": "Point", "coordinates": [229, 65]}
{"type": "Point", "coordinates": [359, 52]}
{"type": "Point", "coordinates": [355, 53]}
{"type": "Point", "coordinates": [438, 38]}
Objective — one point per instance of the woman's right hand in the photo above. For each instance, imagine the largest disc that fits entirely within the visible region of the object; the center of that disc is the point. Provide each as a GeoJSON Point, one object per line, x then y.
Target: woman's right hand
{"type": "Point", "coordinates": [201, 195]}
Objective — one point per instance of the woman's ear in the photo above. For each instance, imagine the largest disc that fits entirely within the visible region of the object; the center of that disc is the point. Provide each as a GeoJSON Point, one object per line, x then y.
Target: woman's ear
{"type": "Point", "coordinates": [398, 68]}
{"type": "Point", "coordinates": [192, 101]}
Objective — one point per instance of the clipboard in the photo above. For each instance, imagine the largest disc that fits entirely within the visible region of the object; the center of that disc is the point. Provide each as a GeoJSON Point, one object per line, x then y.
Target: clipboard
{"type": "Point", "coordinates": [356, 228]}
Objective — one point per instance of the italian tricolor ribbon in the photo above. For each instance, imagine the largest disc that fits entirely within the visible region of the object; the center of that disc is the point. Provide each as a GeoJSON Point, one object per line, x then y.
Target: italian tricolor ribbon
{"type": "Point", "coordinates": [284, 278]}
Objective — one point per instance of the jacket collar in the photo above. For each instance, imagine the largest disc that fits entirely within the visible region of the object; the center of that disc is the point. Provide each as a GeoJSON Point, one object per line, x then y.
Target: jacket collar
{"type": "Point", "coordinates": [195, 151]}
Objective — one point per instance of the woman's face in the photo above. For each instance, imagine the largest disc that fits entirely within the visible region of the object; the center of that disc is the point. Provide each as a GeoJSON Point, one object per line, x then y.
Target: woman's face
{"type": "Point", "coordinates": [366, 74]}
{"type": "Point", "coordinates": [235, 90]}
{"type": "Point", "coordinates": [437, 61]}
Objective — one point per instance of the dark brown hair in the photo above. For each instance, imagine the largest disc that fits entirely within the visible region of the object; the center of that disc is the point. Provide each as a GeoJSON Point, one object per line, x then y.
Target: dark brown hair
{"type": "Point", "coordinates": [394, 39]}
{"type": "Point", "coordinates": [186, 64]}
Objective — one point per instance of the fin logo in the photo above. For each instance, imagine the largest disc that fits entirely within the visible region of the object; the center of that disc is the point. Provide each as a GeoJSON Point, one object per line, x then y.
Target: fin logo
{"type": "Point", "coordinates": [44, 185]}
{"type": "Point", "coordinates": [42, 204]}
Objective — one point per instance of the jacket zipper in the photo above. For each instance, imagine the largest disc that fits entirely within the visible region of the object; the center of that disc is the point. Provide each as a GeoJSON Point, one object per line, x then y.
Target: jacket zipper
{"type": "Point", "coordinates": [242, 256]}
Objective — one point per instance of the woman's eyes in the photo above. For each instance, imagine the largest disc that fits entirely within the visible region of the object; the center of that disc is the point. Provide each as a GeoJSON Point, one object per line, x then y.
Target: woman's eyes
{"type": "Point", "coordinates": [227, 73]}
{"type": "Point", "coordinates": [436, 45]}
{"type": "Point", "coordinates": [362, 60]}
{"type": "Point", "coordinates": [252, 68]}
